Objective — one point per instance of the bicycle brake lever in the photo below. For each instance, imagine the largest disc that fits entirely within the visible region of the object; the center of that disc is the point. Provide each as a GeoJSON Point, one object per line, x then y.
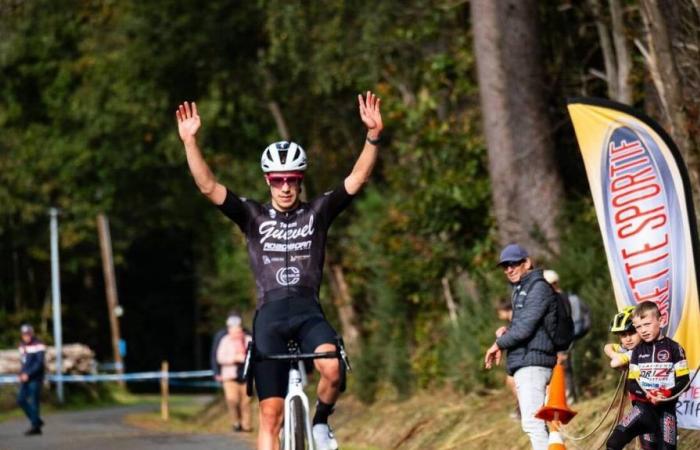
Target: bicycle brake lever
{"type": "Point", "coordinates": [345, 358]}
{"type": "Point", "coordinates": [248, 356]}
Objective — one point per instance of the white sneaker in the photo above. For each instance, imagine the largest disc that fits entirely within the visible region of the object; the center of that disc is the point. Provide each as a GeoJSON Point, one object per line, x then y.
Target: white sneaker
{"type": "Point", "coordinates": [324, 438]}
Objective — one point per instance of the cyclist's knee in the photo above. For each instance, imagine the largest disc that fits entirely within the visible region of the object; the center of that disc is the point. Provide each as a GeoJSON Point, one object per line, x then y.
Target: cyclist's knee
{"type": "Point", "coordinates": [271, 411]}
{"type": "Point", "coordinates": [330, 371]}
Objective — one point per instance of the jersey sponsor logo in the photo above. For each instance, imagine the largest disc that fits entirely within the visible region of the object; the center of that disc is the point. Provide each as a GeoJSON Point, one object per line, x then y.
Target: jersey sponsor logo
{"type": "Point", "coordinates": [269, 229]}
{"type": "Point", "coordinates": [294, 247]}
{"type": "Point", "coordinates": [629, 418]}
{"type": "Point", "coordinates": [269, 260]}
{"type": "Point", "coordinates": [669, 432]}
{"type": "Point", "coordinates": [288, 275]}
{"type": "Point", "coordinates": [272, 213]}
{"type": "Point", "coordinates": [657, 375]}
{"type": "Point", "coordinates": [663, 355]}
{"type": "Point", "coordinates": [294, 258]}
{"type": "Point", "coordinates": [682, 364]}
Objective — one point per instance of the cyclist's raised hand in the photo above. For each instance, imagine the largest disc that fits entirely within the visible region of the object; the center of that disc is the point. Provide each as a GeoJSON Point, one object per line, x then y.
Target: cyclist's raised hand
{"type": "Point", "coordinates": [370, 113]}
{"type": "Point", "coordinates": [188, 121]}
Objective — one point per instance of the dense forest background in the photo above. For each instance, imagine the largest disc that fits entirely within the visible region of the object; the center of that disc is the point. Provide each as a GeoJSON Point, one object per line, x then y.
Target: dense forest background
{"type": "Point", "coordinates": [479, 153]}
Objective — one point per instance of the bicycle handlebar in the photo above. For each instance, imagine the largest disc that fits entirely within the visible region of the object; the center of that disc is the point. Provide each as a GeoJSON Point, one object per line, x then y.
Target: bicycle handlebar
{"type": "Point", "coordinates": [297, 356]}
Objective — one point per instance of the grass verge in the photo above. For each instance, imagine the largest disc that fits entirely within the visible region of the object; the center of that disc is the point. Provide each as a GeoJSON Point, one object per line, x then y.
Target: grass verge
{"type": "Point", "coordinates": [439, 420]}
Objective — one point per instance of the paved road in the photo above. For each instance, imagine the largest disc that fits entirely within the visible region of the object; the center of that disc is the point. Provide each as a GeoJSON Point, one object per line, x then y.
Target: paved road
{"type": "Point", "coordinates": [104, 429]}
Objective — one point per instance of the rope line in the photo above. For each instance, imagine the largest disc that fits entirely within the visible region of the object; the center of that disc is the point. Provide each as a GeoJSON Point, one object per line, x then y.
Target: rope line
{"type": "Point", "coordinates": [618, 389]}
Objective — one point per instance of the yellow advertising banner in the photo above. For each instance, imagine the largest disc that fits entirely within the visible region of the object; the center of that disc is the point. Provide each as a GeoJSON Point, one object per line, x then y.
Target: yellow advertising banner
{"type": "Point", "coordinates": [642, 198]}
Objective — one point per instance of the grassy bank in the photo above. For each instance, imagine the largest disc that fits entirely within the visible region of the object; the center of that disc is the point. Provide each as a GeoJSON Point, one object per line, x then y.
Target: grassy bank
{"type": "Point", "coordinates": [439, 420]}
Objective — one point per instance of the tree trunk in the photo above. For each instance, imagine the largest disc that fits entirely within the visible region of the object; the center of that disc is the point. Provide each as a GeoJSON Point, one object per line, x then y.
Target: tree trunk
{"type": "Point", "coordinates": [673, 61]}
{"type": "Point", "coordinates": [343, 303]}
{"type": "Point", "coordinates": [623, 53]}
{"type": "Point", "coordinates": [616, 51]}
{"type": "Point", "coordinates": [449, 300]}
{"type": "Point", "coordinates": [525, 182]}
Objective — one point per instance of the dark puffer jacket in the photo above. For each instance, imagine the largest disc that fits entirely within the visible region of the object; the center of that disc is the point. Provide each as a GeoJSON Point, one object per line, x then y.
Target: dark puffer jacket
{"type": "Point", "coordinates": [528, 339]}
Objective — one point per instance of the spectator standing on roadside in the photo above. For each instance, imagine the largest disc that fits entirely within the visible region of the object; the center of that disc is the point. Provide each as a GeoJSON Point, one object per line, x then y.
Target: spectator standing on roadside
{"type": "Point", "coordinates": [227, 358]}
{"type": "Point", "coordinates": [32, 352]}
{"type": "Point", "coordinates": [581, 316]}
{"type": "Point", "coordinates": [528, 341]}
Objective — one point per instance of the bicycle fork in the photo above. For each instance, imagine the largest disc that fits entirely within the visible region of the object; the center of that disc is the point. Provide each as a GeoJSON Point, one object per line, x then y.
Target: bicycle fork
{"type": "Point", "coordinates": [296, 389]}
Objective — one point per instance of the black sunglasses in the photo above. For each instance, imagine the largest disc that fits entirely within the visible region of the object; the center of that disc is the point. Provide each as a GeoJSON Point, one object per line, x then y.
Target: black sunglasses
{"type": "Point", "coordinates": [509, 264]}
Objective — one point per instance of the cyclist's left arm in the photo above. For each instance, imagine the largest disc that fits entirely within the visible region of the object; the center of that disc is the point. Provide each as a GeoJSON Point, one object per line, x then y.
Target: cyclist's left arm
{"type": "Point", "coordinates": [372, 118]}
{"type": "Point", "coordinates": [680, 369]}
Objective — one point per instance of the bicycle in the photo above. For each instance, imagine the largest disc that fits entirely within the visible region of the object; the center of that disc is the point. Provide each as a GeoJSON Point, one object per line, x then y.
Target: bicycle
{"type": "Point", "coordinates": [296, 433]}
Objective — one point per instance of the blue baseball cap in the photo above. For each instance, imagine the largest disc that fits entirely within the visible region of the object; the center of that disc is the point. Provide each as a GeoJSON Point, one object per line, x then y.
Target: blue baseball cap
{"type": "Point", "coordinates": [512, 253]}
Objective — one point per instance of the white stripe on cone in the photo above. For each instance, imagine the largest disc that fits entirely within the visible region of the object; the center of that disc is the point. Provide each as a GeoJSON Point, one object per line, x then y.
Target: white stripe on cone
{"type": "Point", "coordinates": [555, 441]}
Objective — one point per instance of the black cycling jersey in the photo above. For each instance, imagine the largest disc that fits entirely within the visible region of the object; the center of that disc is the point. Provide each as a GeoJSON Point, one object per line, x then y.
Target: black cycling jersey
{"type": "Point", "coordinates": [657, 366]}
{"type": "Point", "coordinates": [286, 249]}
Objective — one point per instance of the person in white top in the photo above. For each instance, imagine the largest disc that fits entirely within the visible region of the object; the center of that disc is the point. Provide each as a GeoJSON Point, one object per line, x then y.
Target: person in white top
{"type": "Point", "coordinates": [230, 355]}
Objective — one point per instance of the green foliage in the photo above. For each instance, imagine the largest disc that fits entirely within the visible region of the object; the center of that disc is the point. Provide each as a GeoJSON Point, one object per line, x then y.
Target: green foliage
{"type": "Point", "coordinates": [87, 94]}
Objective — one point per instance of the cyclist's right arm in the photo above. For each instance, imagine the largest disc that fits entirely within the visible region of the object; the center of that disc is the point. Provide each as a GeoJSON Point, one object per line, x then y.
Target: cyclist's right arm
{"type": "Point", "coordinates": [188, 123]}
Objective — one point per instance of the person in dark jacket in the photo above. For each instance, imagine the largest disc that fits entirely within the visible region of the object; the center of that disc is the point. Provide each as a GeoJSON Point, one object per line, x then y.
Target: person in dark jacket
{"type": "Point", "coordinates": [528, 341]}
{"type": "Point", "coordinates": [31, 376]}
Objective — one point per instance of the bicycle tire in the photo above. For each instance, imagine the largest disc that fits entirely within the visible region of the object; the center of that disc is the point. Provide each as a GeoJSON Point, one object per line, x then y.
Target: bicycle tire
{"type": "Point", "coordinates": [298, 424]}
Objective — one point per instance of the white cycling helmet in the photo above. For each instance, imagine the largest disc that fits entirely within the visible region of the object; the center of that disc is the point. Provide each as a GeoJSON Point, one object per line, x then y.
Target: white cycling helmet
{"type": "Point", "coordinates": [283, 156]}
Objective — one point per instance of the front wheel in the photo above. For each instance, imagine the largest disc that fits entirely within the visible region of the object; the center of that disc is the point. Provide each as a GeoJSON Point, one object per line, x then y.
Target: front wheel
{"type": "Point", "coordinates": [298, 424]}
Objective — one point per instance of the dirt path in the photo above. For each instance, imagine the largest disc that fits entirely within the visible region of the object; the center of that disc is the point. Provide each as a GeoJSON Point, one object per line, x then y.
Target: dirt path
{"type": "Point", "coordinates": [104, 429]}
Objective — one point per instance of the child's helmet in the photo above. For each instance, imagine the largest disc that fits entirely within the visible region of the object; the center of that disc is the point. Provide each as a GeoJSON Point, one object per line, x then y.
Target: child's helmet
{"type": "Point", "coordinates": [622, 321]}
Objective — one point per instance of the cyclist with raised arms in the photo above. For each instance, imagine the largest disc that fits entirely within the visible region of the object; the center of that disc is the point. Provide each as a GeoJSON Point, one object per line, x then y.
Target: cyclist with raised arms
{"type": "Point", "coordinates": [286, 245]}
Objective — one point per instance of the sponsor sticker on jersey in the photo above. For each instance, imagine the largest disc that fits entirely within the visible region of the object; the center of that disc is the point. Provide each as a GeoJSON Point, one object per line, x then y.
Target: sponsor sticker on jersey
{"type": "Point", "coordinates": [293, 247]}
{"type": "Point", "coordinates": [663, 355]}
{"type": "Point", "coordinates": [657, 375]}
{"type": "Point", "coordinates": [287, 276]}
{"type": "Point", "coordinates": [629, 418]}
{"type": "Point", "coordinates": [669, 429]}
{"type": "Point", "coordinates": [271, 229]}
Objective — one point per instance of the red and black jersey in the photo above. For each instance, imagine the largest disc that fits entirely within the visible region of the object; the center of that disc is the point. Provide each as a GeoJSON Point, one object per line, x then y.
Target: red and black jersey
{"type": "Point", "coordinates": [657, 366]}
{"type": "Point", "coordinates": [286, 249]}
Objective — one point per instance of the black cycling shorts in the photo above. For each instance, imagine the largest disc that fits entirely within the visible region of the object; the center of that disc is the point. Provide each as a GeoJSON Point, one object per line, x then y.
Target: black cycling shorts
{"type": "Point", "coordinates": [278, 322]}
{"type": "Point", "coordinates": [654, 424]}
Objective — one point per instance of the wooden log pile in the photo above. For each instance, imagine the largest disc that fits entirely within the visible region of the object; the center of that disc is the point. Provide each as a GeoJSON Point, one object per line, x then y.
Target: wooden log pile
{"type": "Point", "coordinates": [77, 359]}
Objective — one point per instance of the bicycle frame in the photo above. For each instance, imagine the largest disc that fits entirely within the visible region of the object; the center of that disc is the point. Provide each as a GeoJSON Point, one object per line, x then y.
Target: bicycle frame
{"type": "Point", "coordinates": [296, 389]}
{"type": "Point", "coordinates": [295, 386]}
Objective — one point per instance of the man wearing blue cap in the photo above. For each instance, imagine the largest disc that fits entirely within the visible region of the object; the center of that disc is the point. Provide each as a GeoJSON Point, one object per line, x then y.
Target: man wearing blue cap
{"type": "Point", "coordinates": [531, 350]}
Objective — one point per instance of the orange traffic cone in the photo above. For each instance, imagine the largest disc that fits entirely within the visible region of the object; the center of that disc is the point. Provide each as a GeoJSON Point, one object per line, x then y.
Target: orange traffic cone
{"type": "Point", "coordinates": [556, 407]}
{"type": "Point", "coordinates": [555, 440]}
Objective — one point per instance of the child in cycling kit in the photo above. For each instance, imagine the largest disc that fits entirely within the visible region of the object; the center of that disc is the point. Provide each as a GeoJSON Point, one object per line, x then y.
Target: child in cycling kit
{"type": "Point", "coordinates": [658, 371]}
{"type": "Point", "coordinates": [623, 328]}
